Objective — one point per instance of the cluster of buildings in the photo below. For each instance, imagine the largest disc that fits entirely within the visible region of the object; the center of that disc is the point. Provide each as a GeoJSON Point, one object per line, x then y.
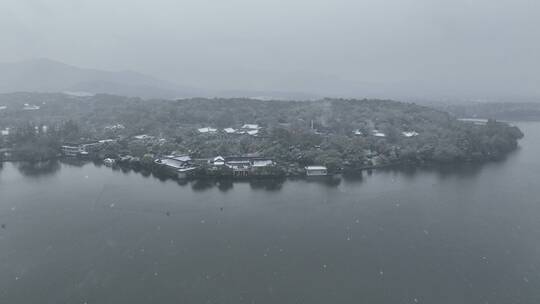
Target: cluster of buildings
{"type": "Point", "coordinates": [410, 133]}
{"type": "Point", "coordinates": [378, 133]}
{"type": "Point", "coordinates": [149, 139]}
{"type": "Point", "coordinates": [238, 166]}
{"type": "Point", "coordinates": [115, 127]}
{"type": "Point", "coordinates": [374, 132]}
{"type": "Point", "coordinates": [26, 107]}
{"type": "Point", "coordinates": [241, 166]}
{"type": "Point", "coordinates": [249, 129]}
{"type": "Point", "coordinates": [182, 166]}
{"type": "Point", "coordinates": [84, 149]}
{"type": "Point", "coordinates": [30, 107]}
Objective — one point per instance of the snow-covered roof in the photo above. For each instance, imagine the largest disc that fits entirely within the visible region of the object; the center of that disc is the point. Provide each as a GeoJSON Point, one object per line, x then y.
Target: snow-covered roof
{"type": "Point", "coordinates": [207, 130]}
{"type": "Point", "coordinates": [115, 127]}
{"type": "Point", "coordinates": [263, 163]}
{"type": "Point", "coordinates": [219, 158]}
{"type": "Point", "coordinates": [186, 169]}
{"type": "Point", "coordinates": [229, 130]}
{"type": "Point", "coordinates": [103, 141]}
{"type": "Point", "coordinates": [409, 133]}
{"type": "Point", "coordinates": [315, 168]}
{"type": "Point", "coordinates": [253, 132]}
{"type": "Point", "coordinates": [251, 126]}
{"type": "Point", "coordinates": [377, 133]}
{"type": "Point", "coordinates": [357, 132]}
{"type": "Point", "coordinates": [169, 162]}
{"type": "Point", "coordinates": [182, 158]}
{"type": "Point", "coordinates": [142, 136]}
{"type": "Point", "coordinates": [3, 107]}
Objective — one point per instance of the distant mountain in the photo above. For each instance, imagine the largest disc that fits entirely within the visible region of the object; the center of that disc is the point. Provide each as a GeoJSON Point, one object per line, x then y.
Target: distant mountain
{"type": "Point", "coordinates": [45, 75]}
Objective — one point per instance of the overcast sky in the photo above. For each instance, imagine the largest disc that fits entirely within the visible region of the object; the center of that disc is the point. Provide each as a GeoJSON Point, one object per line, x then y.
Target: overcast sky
{"type": "Point", "coordinates": [469, 48]}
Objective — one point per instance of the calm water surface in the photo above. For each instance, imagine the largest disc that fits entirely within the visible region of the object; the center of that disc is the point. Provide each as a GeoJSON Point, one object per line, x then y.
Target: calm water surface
{"type": "Point", "coordinates": [89, 234]}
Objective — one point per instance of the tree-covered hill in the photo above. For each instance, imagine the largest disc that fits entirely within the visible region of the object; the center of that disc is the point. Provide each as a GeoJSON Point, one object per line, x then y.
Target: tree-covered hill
{"type": "Point", "coordinates": [334, 132]}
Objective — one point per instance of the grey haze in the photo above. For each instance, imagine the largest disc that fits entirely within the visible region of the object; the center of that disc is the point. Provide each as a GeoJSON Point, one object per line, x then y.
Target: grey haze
{"type": "Point", "coordinates": [364, 48]}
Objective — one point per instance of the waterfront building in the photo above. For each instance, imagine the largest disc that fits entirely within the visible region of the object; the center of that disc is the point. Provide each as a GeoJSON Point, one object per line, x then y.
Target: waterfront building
{"type": "Point", "coordinates": [316, 171]}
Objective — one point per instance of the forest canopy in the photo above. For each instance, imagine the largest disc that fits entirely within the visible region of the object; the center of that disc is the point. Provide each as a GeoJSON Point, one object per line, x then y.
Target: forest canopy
{"type": "Point", "coordinates": [338, 133]}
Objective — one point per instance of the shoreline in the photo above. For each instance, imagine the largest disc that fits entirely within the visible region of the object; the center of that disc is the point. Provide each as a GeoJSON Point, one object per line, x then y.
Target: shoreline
{"type": "Point", "coordinates": [161, 174]}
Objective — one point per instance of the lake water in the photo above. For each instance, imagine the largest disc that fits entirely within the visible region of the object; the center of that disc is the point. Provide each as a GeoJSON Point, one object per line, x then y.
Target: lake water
{"type": "Point", "coordinates": [90, 234]}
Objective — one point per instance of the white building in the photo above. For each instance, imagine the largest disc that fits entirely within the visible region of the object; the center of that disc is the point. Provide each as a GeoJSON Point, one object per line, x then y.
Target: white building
{"type": "Point", "coordinates": [179, 165]}
{"type": "Point", "coordinates": [72, 150]}
{"type": "Point", "coordinates": [410, 133]}
{"type": "Point", "coordinates": [316, 171]}
{"type": "Point", "coordinates": [174, 161]}
{"type": "Point", "coordinates": [219, 161]}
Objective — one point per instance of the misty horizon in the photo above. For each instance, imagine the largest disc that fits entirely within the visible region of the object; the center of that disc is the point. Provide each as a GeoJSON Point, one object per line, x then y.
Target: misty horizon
{"type": "Point", "coordinates": [400, 50]}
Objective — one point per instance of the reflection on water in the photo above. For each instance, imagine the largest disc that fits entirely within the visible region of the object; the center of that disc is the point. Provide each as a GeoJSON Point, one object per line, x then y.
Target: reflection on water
{"type": "Point", "coordinates": [225, 185]}
{"type": "Point", "coordinates": [328, 181]}
{"type": "Point", "coordinates": [146, 173]}
{"type": "Point", "coordinates": [460, 170]}
{"type": "Point", "coordinates": [38, 169]}
{"type": "Point", "coordinates": [443, 171]}
{"type": "Point", "coordinates": [202, 184]}
{"type": "Point", "coordinates": [159, 176]}
{"type": "Point", "coordinates": [74, 162]}
{"type": "Point", "coordinates": [267, 184]}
